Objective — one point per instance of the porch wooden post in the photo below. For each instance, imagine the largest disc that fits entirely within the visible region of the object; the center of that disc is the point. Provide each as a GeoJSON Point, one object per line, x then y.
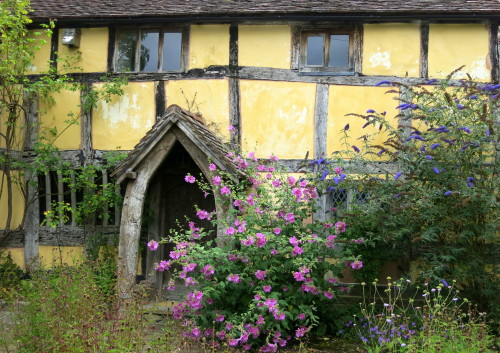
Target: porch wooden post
{"type": "Point", "coordinates": [130, 231]}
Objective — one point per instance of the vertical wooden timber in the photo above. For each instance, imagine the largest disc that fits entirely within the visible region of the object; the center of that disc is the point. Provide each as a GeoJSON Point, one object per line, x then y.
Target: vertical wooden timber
{"type": "Point", "coordinates": [494, 52]}
{"type": "Point", "coordinates": [86, 125]}
{"type": "Point", "coordinates": [60, 196]}
{"type": "Point", "coordinates": [111, 48]}
{"type": "Point", "coordinates": [160, 100]}
{"type": "Point", "coordinates": [358, 49]}
{"type": "Point", "coordinates": [32, 217]}
{"type": "Point", "coordinates": [105, 217]}
{"type": "Point", "coordinates": [54, 47]}
{"type": "Point", "coordinates": [295, 45]}
{"type": "Point", "coordinates": [73, 199]}
{"type": "Point", "coordinates": [320, 139]}
{"type": "Point", "coordinates": [234, 87]}
{"type": "Point", "coordinates": [424, 50]}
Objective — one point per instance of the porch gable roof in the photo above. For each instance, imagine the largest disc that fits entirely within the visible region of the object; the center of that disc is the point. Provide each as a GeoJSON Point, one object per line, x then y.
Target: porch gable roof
{"type": "Point", "coordinates": [193, 128]}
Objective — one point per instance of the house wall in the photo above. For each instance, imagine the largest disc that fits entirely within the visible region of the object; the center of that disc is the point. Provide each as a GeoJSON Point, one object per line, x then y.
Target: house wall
{"type": "Point", "coordinates": [17, 201]}
{"type": "Point", "coordinates": [90, 56]}
{"type": "Point", "coordinates": [208, 45]}
{"type": "Point", "coordinates": [454, 45]}
{"type": "Point", "coordinates": [122, 122]}
{"type": "Point", "coordinates": [264, 46]}
{"type": "Point", "coordinates": [59, 119]}
{"type": "Point", "coordinates": [391, 49]}
{"type": "Point", "coordinates": [245, 75]}
{"type": "Point", "coordinates": [41, 41]}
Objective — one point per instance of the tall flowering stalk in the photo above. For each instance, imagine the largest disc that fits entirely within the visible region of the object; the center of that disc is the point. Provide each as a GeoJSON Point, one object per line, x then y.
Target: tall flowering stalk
{"type": "Point", "coordinates": [271, 279]}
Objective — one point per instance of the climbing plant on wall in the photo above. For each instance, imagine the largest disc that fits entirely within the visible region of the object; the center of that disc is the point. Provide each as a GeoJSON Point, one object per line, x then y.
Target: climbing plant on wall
{"type": "Point", "coordinates": [19, 97]}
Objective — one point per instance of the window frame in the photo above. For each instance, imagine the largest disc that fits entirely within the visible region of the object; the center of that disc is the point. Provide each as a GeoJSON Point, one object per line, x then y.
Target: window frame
{"type": "Point", "coordinates": [184, 50]}
{"type": "Point", "coordinates": [354, 50]}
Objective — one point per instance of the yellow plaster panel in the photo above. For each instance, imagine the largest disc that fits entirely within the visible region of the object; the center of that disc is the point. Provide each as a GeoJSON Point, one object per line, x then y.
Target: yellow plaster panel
{"type": "Point", "coordinates": [17, 201]}
{"type": "Point", "coordinates": [123, 121]}
{"type": "Point", "coordinates": [454, 45]}
{"type": "Point", "coordinates": [65, 255]}
{"type": "Point", "coordinates": [355, 99]}
{"type": "Point", "coordinates": [210, 98]}
{"type": "Point", "coordinates": [92, 54]}
{"type": "Point", "coordinates": [264, 46]}
{"type": "Point", "coordinates": [391, 49]}
{"type": "Point", "coordinates": [17, 255]}
{"type": "Point", "coordinates": [278, 117]}
{"type": "Point", "coordinates": [63, 115]}
{"type": "Point", "coordinates": [208, 45]}
{"type": "Point", "coordinates": [41, 43]}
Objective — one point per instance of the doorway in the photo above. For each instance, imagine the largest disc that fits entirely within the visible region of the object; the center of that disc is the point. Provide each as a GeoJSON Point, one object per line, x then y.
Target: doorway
{"type": "Point", "coordinates": [169, 206]}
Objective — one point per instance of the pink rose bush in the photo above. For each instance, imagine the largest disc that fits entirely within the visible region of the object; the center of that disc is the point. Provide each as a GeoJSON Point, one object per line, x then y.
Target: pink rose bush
{"type": "Point", "coordinates": [265, 283]}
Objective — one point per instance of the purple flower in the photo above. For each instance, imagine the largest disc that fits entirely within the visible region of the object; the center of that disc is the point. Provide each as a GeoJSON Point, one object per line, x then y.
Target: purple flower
{"type": "Point", "coordinates": [471, 182]}
{"type": "Point", "coordinates": [225, 190]}
{"type": "Point", "coordinates": [289, 217]}
{"type": "Point", "coordinates": [461, 106]}
{"type": "Point", "coordinates": [153, 245]}
{"type": "Point", "coordinates": [356, 265]}
{"type": "Point", "coordinates": [428, 157]}
{"type": "Point", "coordinates": [323, 175]}
{"type": "Point", "coordinates": [384, 83]}
{"type": "Point", "coordinates": [234, 278]}
{"type": "Point", "coordinates": [404, 106]}
{"type": "Point", "coordinates": [436, 170]}
{"type": "Point", "coordinates": [328, 294]}
{"type": "Point", "coordinates": [261, 274]}
{"type": "Point", "coordinates": [266, 289]}
{"type": "Point", "coordinates": [448, 193]}
{"type": "Point", "coordinates": [301, 331]}
{"type": "Point", "coordinates": [202, 214]}
{"type": "Point", "coordinates": [465, 128]}
{"type": "Point", "coordinates": [216, 180]}
{"type": "Point", "coordinates": [431, 81]}
{"type": "Point", "coordinates": [346, 127]}
{"type": "Point", "coordinates": [398, 174]}
{"type": "Point", "coordinates": [369, 111]}
{"type": "Point", "coordinates": [355, 149]}
{"type": "Point", "coordinates": [297, 250]}
{"type": "Point", "coordinates": [189, 179]}
{"type": "Point", "coordinates": [261, 240]}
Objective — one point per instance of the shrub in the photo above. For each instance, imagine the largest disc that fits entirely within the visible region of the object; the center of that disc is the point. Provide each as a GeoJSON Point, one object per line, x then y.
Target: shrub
{"type": "Point", "coordinates": [438, 203]}
{"type": "Point", "coordinates": [428, 319]}
{"type": "Point", "coordinates": [271, 277]}
{"type": "Point", "coordinates": [66, 310]}
{"type": "Point", "coordinates": [10, 276]}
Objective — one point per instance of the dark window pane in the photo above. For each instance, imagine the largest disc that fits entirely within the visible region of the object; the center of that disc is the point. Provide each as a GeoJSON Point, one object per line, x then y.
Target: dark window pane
{"type": "Point", "coordinates": [315, 50]}
{"type": "Point", "coordinates": [172, 44]}
{"type": "Point", "coordinates": [149, 51]}
{"type": "Point", "coordinates": [339, 50]}
{"type": "Point", "coordinates": [125, 58]}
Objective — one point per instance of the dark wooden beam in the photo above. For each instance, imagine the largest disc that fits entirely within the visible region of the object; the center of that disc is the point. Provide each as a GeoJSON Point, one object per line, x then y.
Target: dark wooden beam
{"type": "Point", "coordinates": [424, 50]}
{"type": "Point", "coordinates": [494, 52]}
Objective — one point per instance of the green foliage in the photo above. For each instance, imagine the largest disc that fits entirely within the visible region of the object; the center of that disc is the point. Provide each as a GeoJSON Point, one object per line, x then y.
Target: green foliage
{"type": "Point", "coordinates": [10, 276]}
{"type": "Point", "coordinates": [17, 91]}
{"type": "Point", "coordinates": [67, 310]}
{"type": "Point", "coordinates": [428, 319]}
{"type": "Point", "coordinates": [440, 206]}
